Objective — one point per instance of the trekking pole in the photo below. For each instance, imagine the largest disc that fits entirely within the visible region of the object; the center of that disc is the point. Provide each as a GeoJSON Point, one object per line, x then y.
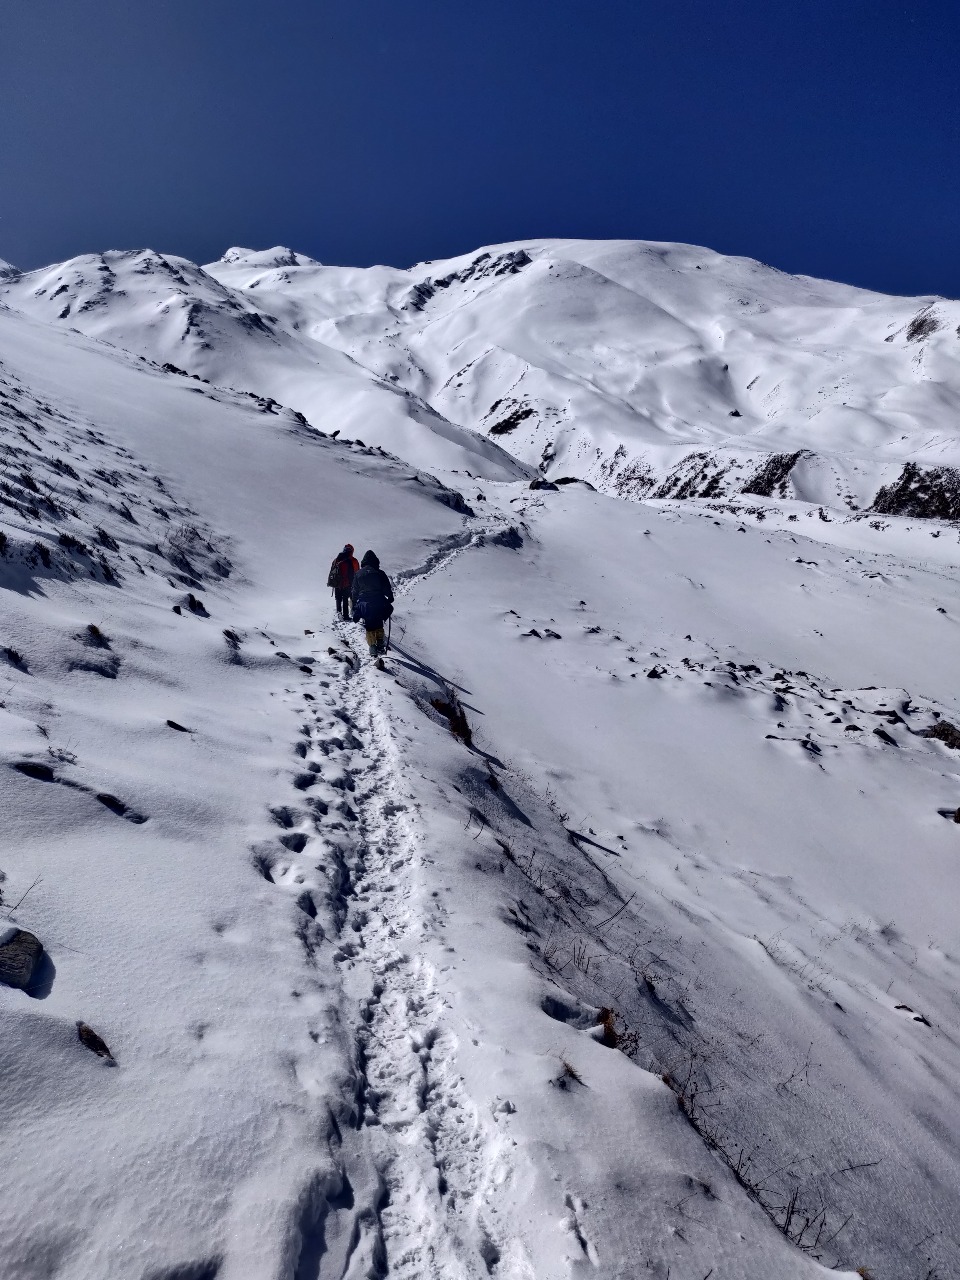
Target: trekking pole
{"type": "Point", "coordinates": [389, 629]}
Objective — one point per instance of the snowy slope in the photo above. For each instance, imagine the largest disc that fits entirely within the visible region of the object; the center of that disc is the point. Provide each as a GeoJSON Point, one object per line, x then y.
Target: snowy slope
{"type": "Point", "coordinates": [757, 874]}
{"type": "Point", "coordinates": [170, 311]}
{"type": "Point", "coordinates": [649, 969]}
{"type": "Point", "coordinates": [241, 854]}
{"type": "Point", "coordinates": [652, 368]}
{"type": "Point", "coordinates": [648, 369]}
{"type": "Point", "coordinates": [125, 491]}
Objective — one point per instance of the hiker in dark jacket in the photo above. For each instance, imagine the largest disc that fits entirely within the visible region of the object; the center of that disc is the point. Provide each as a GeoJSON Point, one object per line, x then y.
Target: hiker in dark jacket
{"type": "Point", "coordinates": [372, 597]}
{"type": "Point", "coordinates": [341, 575]}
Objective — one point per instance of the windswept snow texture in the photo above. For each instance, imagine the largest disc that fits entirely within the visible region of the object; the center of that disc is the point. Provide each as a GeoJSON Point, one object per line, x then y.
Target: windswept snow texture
{"type": "Point", "coordinates": [610, 929]}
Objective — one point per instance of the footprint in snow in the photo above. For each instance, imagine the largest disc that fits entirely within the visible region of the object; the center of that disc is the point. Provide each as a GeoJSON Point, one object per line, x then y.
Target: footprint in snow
{"type": "Point", "coordinates": [119, 808]}
{"type": "Point", "coordinates": [44, 773]}
{"type": "Point", "coordinates": [284, 816]}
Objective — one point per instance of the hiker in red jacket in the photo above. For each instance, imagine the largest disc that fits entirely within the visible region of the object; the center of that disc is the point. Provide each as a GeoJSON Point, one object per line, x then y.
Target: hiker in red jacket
{"type": "Point", "coordinates": [340, 578]}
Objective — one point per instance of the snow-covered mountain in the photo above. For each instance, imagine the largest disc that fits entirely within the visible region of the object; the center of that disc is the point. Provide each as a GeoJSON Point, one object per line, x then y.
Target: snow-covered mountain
{"type": "Point", "coordinates": [647, 369]}
{"type": "Point", "coordinates": [173, 312]}
{"type": "Point", "coordinates": [610, 930]}
{"type": "Point", "coordinates": [653, 369]}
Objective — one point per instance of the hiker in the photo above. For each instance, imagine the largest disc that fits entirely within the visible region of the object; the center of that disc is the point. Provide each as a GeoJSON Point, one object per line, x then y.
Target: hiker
{"type": "Point", "coordinates": [341, 575]}
{"type": "Point", "coordinates": [372, 602]}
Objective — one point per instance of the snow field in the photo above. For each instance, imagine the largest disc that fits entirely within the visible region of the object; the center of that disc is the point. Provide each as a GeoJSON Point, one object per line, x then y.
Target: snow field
{"type": "Point", "coordinates": [766, 855]}
{"type": "Point", "coordinates": [654, 973]}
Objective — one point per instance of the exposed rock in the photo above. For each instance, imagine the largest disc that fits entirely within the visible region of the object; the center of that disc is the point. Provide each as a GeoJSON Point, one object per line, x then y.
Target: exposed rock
{"type": "Point", "coordinates": [90, 1040]}
{"type": "Point", "coordinates": [932, 493]}
{"type": "Point", "coordinates": [455, 500]}
{"type": "Point", "coordinates": [944, 732]}
{"type": "Point", "coordinates": [481, 268]}
{"type": "Point", "coordinates": [20, 954]}
{"type": "Point", "coordinates": [510, 537]}
{"type": "Point", "coordinates": [511, 421]}
{"type": "Point", "coordinates": [923, 325]}
{"type": "Point", "coordinates": [698, 475]}
{"type": "Point", "coordinates": [773, 475]}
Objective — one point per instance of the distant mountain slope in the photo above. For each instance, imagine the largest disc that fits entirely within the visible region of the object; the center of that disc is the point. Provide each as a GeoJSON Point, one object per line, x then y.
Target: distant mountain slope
{"type": "Point", "coordinates": [648, 369]}
{"type": "Point", "coordinates": [171, 311]}
{"type": "Point", "coordinates": [653, 368]}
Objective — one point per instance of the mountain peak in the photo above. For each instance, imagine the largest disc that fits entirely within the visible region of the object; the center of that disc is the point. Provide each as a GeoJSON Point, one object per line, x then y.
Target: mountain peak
{"type": "Point", "coordinates": [278, 256]}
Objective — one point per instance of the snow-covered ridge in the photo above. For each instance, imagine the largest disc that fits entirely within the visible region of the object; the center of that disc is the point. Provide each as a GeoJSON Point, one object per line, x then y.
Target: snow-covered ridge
{"type": "Point", "coordinates": [173, 312]}
{"type": "Point", "coordinates": [651, 370]}
{"type": "Point", "coordinates": [661, 370]}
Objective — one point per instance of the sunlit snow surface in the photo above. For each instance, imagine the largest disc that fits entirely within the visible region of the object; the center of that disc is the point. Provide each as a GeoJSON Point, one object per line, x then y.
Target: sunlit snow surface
{"type": "Point", "coordinates": [351, 968]}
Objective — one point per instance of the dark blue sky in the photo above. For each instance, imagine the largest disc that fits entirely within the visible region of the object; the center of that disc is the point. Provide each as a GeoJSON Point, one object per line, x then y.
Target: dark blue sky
{"type": "Point", "coordinates": [820, 135]}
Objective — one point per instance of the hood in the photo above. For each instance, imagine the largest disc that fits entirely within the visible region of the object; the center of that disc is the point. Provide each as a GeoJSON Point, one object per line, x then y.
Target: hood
{"type": "Point", "coordinates": [370, 561]}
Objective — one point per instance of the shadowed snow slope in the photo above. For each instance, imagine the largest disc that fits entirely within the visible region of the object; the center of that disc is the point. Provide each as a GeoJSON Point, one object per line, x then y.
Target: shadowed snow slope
{"type": "Point", "coordinates": [610, 929]}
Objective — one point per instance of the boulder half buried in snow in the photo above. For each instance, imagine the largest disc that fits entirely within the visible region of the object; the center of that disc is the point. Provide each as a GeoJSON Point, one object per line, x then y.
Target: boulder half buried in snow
{"type": "Point", "coordinates": [20, 954]}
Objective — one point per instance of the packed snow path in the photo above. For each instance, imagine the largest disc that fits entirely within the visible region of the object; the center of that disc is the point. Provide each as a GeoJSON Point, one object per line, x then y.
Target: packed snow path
{"type": "Point", "coordinates": [410, 1148]}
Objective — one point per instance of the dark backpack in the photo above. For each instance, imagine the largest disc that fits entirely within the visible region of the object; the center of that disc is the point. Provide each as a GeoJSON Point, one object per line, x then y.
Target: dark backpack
{"type": "Point", "coordinates": [372, 611]}
{"type": "Point", "coordinates": [371, 597]}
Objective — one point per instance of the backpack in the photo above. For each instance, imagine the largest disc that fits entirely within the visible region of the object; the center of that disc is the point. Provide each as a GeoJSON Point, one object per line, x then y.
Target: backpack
{"type": "Point", "coordinates": [333, 577]}
{"type": "Point", "coordinates": [372, 611]}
